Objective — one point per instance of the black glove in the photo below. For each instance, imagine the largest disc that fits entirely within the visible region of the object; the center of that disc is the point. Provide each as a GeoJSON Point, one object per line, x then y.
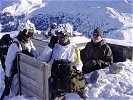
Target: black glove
{"type": "Point", "coordinates": [6, 82]}
{"type": "Point", "coordinates": [91, 63]}
{"type": "Point", "coordinates": [46, 36]}
{"type": "Point", "coordinates": [27, 53]}
{"type": "Point", "coordinates": [53, 41]}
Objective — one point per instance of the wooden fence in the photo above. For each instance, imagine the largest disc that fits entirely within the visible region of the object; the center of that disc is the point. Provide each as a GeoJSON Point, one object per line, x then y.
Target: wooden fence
{"type": "Point", "coordinates": [34, 75]}
{"type": "Point", "coordinates": [120, 52]}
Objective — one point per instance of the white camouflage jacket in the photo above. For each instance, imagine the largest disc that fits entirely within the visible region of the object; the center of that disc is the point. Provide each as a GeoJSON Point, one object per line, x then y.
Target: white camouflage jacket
{"type": "Point", "coordinates": [69, 52]}
{"type": "Point", "coordinates": [12, 52]}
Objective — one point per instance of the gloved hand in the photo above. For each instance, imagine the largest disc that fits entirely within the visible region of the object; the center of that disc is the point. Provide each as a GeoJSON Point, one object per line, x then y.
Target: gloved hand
{"type": "Point", "coordinates": [91, 63]}
{"type": "Point", "coordinates": [80, 75]}
{"type": "Point", "coordinates": [53, 41]}
{"type": "Point", "coordinates": [6, 79]}
{"type": "Point", "coordinates": [78, 71]}
{"type": "Point", "coordinates": [6, 82]}
{"type": "Point", "coordinates": [46, 36]}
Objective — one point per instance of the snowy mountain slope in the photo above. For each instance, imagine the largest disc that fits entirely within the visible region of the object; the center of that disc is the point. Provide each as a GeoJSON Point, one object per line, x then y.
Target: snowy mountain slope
{"type": "Point", "coordinates": [113, 16]}
{"type": "Point", "coordinates": [15, 11]}
{"type": "Point", "coordinates": [129, 2]}
{"type": "Point", "coordinates": [81, 5]}
{"type": "Point", "coordinates": [20, 7]}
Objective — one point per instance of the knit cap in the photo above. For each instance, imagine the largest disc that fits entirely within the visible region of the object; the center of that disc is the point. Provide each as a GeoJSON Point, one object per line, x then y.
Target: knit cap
{"type": "Point", "coordinates": [98, 31]}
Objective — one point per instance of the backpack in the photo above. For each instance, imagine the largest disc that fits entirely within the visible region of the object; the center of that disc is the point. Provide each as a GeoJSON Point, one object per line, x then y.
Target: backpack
{"type": "Point", "coordinates": [66, 77]}
{"type": "Point", "coordinates": [5, 42]}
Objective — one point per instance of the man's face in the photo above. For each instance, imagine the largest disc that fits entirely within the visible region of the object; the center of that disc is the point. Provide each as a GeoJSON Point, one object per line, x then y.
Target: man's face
{"type": "Point", "coordinates": [29, 35]}
{"type": "Point", "coordinates": [63, 39]}
{"type": "Point", "coordinates": [96, 37]}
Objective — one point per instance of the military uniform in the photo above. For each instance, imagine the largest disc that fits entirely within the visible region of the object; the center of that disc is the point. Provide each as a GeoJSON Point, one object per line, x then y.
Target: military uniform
{"type": "Point", "coordinates": [96, 56]}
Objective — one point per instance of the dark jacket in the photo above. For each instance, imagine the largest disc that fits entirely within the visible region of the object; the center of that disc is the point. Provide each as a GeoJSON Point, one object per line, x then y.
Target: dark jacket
{"type": "Point", "coordinates": [96, 56]}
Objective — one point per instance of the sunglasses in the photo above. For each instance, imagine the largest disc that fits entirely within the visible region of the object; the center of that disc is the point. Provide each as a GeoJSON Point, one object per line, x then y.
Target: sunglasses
{"type": "Point", "coordinates": [97, 35]}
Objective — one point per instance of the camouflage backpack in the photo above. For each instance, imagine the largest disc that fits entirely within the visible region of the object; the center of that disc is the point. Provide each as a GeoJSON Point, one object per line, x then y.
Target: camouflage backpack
{"type": "Point", "coordinates": [5, 42]}
{"type": "Point", "coordinates": [66, 77]}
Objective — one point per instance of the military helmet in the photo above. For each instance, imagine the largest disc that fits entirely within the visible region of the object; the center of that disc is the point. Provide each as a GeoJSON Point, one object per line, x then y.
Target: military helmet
{"type": "Point", "coordinates": [65, 29]}
{"type": "Point", "coordinates": [27, 27]}
{"type": "Point", "coordinates": [53, 25]}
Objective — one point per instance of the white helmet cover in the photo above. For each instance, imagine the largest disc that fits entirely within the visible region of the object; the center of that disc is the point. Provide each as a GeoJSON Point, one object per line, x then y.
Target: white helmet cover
{"type": "Point", "coordinates": [28, 26]}
{"type": "Point", "coordinates": [65, 29]}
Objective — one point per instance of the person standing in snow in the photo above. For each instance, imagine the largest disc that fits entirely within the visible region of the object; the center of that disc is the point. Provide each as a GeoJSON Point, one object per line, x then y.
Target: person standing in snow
{"type": "Point", "coordinates": [96, 54]}
{"type": "Point", "coordinates": [66, 65]}
{"type": "Point", "coordinates": [51, 30]}
{"type": "Point", "coordinates": [21, 43]}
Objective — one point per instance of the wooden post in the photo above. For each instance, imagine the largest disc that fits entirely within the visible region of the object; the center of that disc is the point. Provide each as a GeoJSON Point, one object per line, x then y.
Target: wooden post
{"type": "Point", "coordinates": [130, 53]}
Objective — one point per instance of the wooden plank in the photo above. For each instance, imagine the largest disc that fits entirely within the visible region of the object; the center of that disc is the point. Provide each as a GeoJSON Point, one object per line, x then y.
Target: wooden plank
{"type": "Point", "coordinates": [118, 42]}
{"type": "Point", "coordinates": [32, 72]}
{"type": "Point", "coordinates": [32, 85]}
{"type": "Point", "coordinates": [39, 45]}
{"type": "Point", "coordinates": [39, 42]}
{"type": "Point", "coordinates": [132, 53]}
{"type": "Point", "coordinates": [39, 36]}
{"type": "Point", "coordinates": [47, 83]}
{"type": "Point", "coordinates": [119, 53]}
{"type": "Point", "coordinates": [82, 44]}
{"type": "Point", "coordinates": [29, 61]}
{"type": "Point", "coordinates": [29, 93]}
{"type": "Point", "coordinates": [29, 81]}
{"type": "Point", "coordinates": [39, 50]}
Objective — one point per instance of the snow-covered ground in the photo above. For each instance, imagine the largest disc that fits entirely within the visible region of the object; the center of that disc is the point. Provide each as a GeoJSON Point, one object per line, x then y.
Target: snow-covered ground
{"type": "Point", "coordinates": [113, 16]}
{"type": "Point", "coordinates": [114, 86]}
